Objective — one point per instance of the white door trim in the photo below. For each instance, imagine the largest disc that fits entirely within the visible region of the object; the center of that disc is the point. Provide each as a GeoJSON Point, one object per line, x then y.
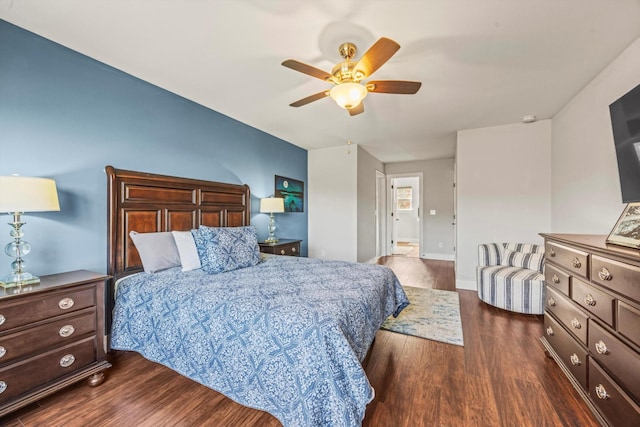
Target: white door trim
{"type": "Point", "coordinates": [389, 222]}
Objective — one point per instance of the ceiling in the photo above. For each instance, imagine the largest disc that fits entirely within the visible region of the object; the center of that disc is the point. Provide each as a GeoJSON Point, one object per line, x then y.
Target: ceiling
{"type": "Point", "coordinates": [481, 63]}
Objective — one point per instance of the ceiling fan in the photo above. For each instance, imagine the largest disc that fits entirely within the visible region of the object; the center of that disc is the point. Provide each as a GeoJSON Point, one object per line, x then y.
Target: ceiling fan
{"type": "Point", "coordinates": [348, 76]}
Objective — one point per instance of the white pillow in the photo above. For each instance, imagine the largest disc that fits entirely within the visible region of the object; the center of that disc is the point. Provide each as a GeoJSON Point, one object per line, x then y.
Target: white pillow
{"type": "Point", "coordinates": [187, 250]}
{"type": "Point", "coordinates": [157, 251]}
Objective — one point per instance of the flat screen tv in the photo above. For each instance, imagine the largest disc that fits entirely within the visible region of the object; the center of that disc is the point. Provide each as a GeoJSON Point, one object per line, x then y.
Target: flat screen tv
{"type": "Point", "coordinates": [625, 121]}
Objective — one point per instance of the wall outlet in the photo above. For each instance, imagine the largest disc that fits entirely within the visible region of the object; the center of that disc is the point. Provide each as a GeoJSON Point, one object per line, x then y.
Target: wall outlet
{"type": "Point", "coordinates": [440, 244]}
{"type": "Point", "coordinates": [432, 212]}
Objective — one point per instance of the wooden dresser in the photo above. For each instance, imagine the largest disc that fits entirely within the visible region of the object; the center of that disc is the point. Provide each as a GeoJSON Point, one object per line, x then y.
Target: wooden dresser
{"type": "Point", "coordinates": [592, 322]}
{"type": "Point", "coordinates": [288, 247]}
{"type": "Point", "coordinates": [51, 335]}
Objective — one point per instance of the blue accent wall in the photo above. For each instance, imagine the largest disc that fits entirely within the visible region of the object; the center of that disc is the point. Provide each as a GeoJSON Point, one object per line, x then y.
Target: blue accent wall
{"type": "Point", "coordinates": [66, 116]}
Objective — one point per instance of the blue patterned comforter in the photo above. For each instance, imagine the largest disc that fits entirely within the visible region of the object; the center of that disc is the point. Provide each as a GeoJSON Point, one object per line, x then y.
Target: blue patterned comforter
{"type": "Point", "coordinates": [286, 336]}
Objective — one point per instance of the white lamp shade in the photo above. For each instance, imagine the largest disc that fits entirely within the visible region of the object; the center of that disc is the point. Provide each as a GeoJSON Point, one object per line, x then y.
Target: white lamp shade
{"type": "Point", "coordinates": [348, 95]}
{"type": "Point", "coordinates": [28, 194]}
{"type": "Point", "coordinates": [272, 205]}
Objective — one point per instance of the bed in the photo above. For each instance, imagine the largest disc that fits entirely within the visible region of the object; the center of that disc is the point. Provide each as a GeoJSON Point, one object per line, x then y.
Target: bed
{"type": "Point", "coordinates": [287, 335]}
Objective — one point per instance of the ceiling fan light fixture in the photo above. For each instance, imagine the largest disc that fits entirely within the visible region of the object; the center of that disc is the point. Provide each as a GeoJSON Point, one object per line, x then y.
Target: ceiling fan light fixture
{"type": "Point", "coordinates": [348, 95]}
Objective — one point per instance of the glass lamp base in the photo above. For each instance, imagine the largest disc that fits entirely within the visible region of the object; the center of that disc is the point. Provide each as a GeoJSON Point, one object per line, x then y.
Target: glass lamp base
{"type": "Point", "coordinates": [19, 279]}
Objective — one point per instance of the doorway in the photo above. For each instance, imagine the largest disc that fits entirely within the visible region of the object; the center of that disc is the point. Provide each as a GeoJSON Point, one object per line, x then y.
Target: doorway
{"type": "Point", "coordinates": [405, 215]}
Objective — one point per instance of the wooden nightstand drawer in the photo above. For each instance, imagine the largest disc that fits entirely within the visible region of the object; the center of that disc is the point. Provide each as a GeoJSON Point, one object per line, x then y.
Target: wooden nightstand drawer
{"type": "Point", "coordinates": [21, 377]}
{"type": "Point", "coordinates": [52, 335]}
{"type": "Point", "coordinates": [282, 247]}
{"type": "Point", "coordinates": [38, 307]}
{"type": "Point", "coordinates": [60, 332]}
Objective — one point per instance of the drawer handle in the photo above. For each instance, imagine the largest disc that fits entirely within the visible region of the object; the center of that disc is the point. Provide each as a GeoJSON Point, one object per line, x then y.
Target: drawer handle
{"type": "Point", "coordinates": [550, 331]}
{"type": "Point", "coordinates": [552, 302]}
{"type": "Point", "coordinates": [282, 252]}
{"type": "Point", "coordinates": [589, 300]}
{"type": "Point", "coordinates": [66, 331]}
{"type": "Point", "coordinates": [555, 279]}
{"type": "Point", "coordinates": [552, 253]}
{"type": "Point", "coordinates": [576, 324]}
{"type": "Point", "coordinates": [2, 319]}
{"type": "Point", "coordinates": [66, 303]}
{"type": "Point", "coordinates": [605, 274]}
{"type": "Point", "coordinates": [293, 250]}
{"type": "Point", "coordinates": [601, 347]}
{"type": "Point", "coordinates": [576, 263]}
{"type": "Point", "coordinates": [575, 360]}
{"type": "Point", "coordinates": [601, 392]}
{"type": "Point", "coordinates": [3, 386]}
{"type": "Point", "coordinates": [67, 360]}
{"type": "Point", "coordinates": [3, 351]}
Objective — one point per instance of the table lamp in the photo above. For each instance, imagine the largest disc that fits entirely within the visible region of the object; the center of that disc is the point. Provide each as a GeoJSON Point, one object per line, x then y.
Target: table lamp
{"type": "Point", "coordinates": [272, 205]}
{"type": "Point", "coordinates": [19, 194]}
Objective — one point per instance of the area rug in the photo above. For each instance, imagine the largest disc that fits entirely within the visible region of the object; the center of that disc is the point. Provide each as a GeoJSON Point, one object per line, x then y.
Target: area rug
{"type": "Point", "coordinates": [433, 314]}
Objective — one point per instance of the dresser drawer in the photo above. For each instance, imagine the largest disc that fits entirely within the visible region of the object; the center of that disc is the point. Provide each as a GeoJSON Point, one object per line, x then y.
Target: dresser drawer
{"type": "Point", "coordinates": [20, 377]}
{"type": "Point", "coordinates": [26, 311]}
{"type": "Point", "coordinates": [54, 334]}
{"type": "Point", "coordinates": [556, 278]}
{"type": "Point", "coordinates": [572, 354]}
{"type": "Point", "coordinates": [612, 401]}
{"type": "Point", "coordinates": [622, 362]}
{"type": "Point", "coordinates": [594, 300]}
{"type": "Point", "coordinates": [573, 260]}
{"type": "Point", "coordinates": [573, 319]}
{"type": "Point", "coordinates": [617, 276]}
{"type": "Point", "coordinates": [629, 322]}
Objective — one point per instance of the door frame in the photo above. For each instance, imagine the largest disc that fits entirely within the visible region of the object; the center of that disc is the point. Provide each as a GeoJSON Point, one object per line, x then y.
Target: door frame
{"type": "Point", "coordinates": [381, 214]}
{"type": "Point", "coordinates": [389, 222]}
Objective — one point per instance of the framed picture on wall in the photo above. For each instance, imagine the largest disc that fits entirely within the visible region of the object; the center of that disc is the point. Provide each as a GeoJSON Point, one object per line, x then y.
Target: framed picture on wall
{"type": "Point", "coordinates": [292, 191]}
{"type": "Point", "coordinates": [626, 232]}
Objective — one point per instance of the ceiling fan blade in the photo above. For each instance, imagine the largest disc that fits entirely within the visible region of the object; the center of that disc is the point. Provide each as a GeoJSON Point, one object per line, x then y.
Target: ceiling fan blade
{"type": "Point", "coordinates": [307, 69]}
{"type": "Point", "coordinates": [357, 109]}
{"type": "Point", "coordinates": [393, 86]}
{"type": "Point", "coordinates": [309, 99]}
{"type": "Point", "coordinates": [377, 55]}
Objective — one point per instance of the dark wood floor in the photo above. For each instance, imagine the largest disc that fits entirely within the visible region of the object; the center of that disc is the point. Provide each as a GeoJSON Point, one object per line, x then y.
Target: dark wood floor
{"type": "Point", "coordinates": [500, 378]}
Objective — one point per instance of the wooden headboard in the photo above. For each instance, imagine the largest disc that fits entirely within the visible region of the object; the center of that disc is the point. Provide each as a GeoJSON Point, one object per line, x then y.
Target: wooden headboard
{"type": "Point", "coordinates": [146, 202]}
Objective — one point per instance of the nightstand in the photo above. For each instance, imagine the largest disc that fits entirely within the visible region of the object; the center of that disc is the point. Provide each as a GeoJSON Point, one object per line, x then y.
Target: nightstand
{"type": "Point", "coordinates": [289, 247]}
{"type": "Point", "coordinates": [51, 335]}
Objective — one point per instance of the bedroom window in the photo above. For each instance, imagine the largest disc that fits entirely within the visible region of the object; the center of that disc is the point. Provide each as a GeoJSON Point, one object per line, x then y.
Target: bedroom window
{"type": "Point", "coordinates": [405, 195]}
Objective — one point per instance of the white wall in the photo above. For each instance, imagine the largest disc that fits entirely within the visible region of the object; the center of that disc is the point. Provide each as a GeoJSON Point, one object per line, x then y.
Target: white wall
{"type": "Point", "coordinates": [437, 193]}
{"type": "Point", "coordinates": [333, 213]}
{"type": "Point", "coordinates": [503, 190]}
{"type": "Point", "coordinates": [585, 186]}
{"type": "Point", "coordinates": [366, 196]}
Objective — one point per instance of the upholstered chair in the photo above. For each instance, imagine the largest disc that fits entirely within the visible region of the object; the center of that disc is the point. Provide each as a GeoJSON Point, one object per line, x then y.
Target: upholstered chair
{"type": "Point", "coordinates": [511, 276]}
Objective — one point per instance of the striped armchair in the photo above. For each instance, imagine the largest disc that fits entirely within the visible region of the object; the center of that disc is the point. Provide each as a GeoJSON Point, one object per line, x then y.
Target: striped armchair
{"type": "Point", "coordinates": [510, 276]}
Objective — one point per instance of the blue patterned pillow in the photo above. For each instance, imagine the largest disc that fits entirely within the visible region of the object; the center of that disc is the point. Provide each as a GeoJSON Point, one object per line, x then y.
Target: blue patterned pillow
{"type": "Point", "coordinates": [226, 248]}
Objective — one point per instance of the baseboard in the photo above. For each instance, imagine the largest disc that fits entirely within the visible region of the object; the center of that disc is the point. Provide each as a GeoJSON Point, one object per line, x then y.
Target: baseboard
{"type": "Point", "coordinates": [373, 260]}
{"type": "Point", "coordinates": [469, 285]}
{"type": "Point", "coordinates": [439, 257]}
